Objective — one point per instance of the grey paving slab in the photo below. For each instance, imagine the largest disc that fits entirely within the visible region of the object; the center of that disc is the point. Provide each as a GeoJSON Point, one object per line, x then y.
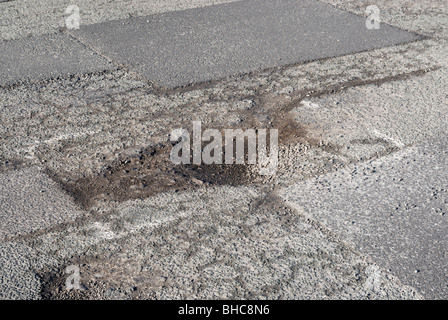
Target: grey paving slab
{"type": "Point", "coordinates": [394, 209]}
{"type": "Point", "coordinates": [41, 58]}
{"type": "Point", "coordinates": [201, 44]}
{"type": "Point", "coordinates": [30, 201]}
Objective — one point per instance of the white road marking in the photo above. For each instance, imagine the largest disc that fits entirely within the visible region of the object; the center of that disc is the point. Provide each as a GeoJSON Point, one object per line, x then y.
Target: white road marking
{"type": "Point", "coordinates": [31, 149]}
{"type": "Point", "coordinates": [388, 139]}
{"type": "Point", "coordinates": [310, 105]}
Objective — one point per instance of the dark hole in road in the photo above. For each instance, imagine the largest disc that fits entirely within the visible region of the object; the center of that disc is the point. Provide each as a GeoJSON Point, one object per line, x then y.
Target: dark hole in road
{"type": "Point", "coordinates": [151, 171]}
{"type": "Point", "coordinates": [148, 173]}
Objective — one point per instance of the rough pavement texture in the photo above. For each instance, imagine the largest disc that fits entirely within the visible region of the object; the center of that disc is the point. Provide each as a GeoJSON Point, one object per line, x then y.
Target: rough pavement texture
{"type": "Point", "coordinates": [186, 47]}
{"type": "Point", "coordinates": [76, 125]}
{"type": "Point", "coordinates": [24, 18]}
{"type": "Point", "coordinates": [363, 122]}
{"type": "Point", "coordinates": [84, 127]}
{"type": "Point", "coordinates": [30, 201]}
{"type": "Point", "coordinates": [221, 41]}
{"type": "Point", "coordinates": [18, 280]}
{"type": "Point", "coordinates": [428, 17]}
{"type": "Point", "coordinates": [47, 57]}
{"type": "Point", "coordinates": [224, 242]}
{"type": "Point", "coordinates": [394, 208]}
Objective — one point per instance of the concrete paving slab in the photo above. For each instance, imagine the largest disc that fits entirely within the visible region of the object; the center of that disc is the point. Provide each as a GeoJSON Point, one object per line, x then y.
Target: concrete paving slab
{"type": "Point", "coordinates": [395, 209]}
{"type": "Point", "coordinates": [179, 48]}
{"type": "Point", "coordinates": [30, 201]}
{"type": "Point", "coordinates": [46, 57]}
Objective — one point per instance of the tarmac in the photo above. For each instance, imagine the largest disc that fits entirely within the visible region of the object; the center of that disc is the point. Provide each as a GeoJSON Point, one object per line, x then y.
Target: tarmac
{"type": "Point", "coordinates": [356, 210]}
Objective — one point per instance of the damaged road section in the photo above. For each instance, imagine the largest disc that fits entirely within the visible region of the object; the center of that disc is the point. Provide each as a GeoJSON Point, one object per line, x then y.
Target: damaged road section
{"type": "Point", "coordinates": [146, 174]}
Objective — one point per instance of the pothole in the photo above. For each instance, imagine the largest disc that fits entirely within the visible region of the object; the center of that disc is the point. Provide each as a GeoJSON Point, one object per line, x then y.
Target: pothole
{"type": "Point", "coordinates": [148, 173]}
{"type": "Point", "coordinates": [151, 170]}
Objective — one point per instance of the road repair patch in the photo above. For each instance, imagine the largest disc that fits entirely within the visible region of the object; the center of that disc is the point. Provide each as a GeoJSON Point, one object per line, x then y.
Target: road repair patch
{"type": "Point", "coordinates": [46, 57]}
{"type": "Point", "coordinates": [202, 44]}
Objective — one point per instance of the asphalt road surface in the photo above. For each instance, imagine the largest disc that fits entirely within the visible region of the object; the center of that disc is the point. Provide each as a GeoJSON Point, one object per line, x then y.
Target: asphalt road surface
{"type": "Point", "coordinates": [198, 45]}
{"type": "Point", "coordinates": [357, 209]}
